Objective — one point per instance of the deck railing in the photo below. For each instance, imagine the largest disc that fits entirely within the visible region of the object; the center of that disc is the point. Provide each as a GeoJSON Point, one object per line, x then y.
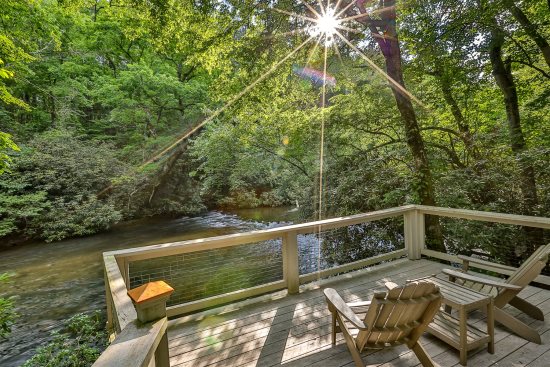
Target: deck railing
{"type": "Point", "coordinates": [120, 310]}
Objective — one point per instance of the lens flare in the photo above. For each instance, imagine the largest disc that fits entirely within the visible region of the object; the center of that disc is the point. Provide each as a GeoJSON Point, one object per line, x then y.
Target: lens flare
{"type": "Point", "coordinates": [328, 23]}
{"type": "Point", "coordinates": [325, 25]}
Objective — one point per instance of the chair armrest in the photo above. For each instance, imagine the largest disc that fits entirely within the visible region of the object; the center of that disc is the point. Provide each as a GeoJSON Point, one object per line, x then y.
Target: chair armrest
{"type": "Point", "coordinates": [475, 260]}
{"type": "Point", "coordinates": [334, 300]}
{"type": "Point", "coordinates": [359, 304]}
{"type": "Point", "coordinates": [359, 307]}
{"type": "Point", "coordinates": [390, 285]}
{"type": "Point", "coordinates": [480, 280]}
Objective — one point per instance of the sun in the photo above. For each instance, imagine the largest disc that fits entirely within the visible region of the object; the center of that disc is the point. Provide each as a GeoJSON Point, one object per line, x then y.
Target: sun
{"type": "Point", "coordinates": [327, 23]}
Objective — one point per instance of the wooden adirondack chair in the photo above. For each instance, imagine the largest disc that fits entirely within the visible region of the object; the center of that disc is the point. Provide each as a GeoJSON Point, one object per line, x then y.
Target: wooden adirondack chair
{"type": "Point", "coordinates": [507, 292]}
{"type": "Point", "coordinates": [398, 316]}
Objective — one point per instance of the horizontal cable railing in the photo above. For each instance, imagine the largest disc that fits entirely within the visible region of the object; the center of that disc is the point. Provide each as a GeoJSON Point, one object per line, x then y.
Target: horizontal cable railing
{"type": "Point", "coordinates": [212, 271]}
{"type": "Point", "coordinates": [203, 274]}
{"type": "Point", "coordinates": [341, 246]}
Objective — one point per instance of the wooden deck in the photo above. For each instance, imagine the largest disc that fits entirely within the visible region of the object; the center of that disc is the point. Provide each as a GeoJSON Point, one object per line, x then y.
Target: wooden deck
{"type": "Point", "coordinates": [295, 330]}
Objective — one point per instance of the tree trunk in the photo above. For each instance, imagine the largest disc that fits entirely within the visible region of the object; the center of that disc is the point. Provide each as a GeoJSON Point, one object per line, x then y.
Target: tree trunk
{"type": "Point", "coordinates": [502, 72]}
{"type": "Point", "coordinates": [461, 122]}
{"type": "Point", "coordinates": [530, 29]}
{"type": "Point", "coordinates": [386, 36]}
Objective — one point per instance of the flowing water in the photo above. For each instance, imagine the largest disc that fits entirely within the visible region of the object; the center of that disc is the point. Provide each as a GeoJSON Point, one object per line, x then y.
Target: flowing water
{"type": "Point", "coordinates": [52, 282]}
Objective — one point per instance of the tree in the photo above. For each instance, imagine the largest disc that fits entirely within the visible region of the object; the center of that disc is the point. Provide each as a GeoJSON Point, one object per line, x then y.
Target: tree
{"type": "Point", "coordinates": [6, 145]}
{"type": "Point", "coordinates": [502, 72]}
{"type": "Point", "coordinates": [384, 31]}
{"type": "Point", "coordinates": [529, 28]}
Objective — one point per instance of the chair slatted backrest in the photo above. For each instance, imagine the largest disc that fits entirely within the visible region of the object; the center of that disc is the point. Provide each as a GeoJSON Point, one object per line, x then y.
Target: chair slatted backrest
{"type": "Point", "coordinates": [530, 268]}
{"type": "Point", "coordinates": [524, 275]}
{"type": "Point", "coordinates": [394, 315]}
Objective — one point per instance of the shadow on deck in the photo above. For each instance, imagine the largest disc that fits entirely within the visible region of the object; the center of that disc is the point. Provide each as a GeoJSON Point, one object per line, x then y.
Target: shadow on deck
{"type": "Point", "coordinates": [294, 330]}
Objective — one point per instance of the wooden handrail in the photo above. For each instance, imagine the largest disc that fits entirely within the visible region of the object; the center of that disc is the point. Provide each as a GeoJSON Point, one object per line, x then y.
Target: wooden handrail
{"type": "Point", "coordinates": [135, 343]}
{"type": "Point", "coordinates": [180, 247]}
{"type": "Point", "coordinates": [248, 238]}
{"type": "Point", "coordinates": [123, 310]}
{"type": "Point", "coordinates": [520, 220]}
{"type": "Point", "coordinates": [135, 346]}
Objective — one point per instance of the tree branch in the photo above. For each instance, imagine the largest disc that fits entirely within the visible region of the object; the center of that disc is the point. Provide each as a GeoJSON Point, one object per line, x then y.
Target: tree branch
{"type": "Point", "coordinates": [544, 73]}
{"type": "Point", "coordinates": [301, 169]}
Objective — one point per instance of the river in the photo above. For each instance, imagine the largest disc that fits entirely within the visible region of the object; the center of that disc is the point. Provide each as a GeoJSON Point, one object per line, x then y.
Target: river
{"type": "Point", "coordinates": [51, 282]}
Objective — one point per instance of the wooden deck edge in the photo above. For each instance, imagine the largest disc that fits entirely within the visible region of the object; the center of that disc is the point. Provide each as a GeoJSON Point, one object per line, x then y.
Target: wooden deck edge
{"type": "Point", "coordinates": [224, 298]}
{"type": "Point", "coordinates": [123, 309]}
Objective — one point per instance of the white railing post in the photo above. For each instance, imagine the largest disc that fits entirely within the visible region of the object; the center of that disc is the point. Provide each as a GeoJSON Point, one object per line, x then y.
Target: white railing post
{"type": "Point", "coordinates": [291, 270]}
{"type": "Point", "coordinates": [415, 237]}
{"type": "Point", "coordinates": [150, 303]}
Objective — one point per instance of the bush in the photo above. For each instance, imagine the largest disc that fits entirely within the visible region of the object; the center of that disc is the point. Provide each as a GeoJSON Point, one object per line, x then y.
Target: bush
{"type": "Point", "coordinates": [78, 345]}
{"type": "Point", "coordinates": [7, 312]}
{"type": "Point", "coordinates": [50, 192]}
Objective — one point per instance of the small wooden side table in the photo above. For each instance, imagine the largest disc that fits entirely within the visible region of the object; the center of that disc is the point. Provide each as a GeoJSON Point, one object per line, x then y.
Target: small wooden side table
{"type": "Point", "coordinates": [457, 332]}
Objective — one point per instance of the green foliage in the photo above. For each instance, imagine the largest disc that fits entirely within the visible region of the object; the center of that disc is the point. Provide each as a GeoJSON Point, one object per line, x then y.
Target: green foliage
{"type": "Point", "coordinates": [50, 192]}
{"type": "Point", "coordinates": [357, 242]}
{"type": "Point", "coordinates": [6, 145]}
{"type": "Point", "coordinates": [7, 311]}
{"type": "Point", "coordinates": [78, 345]}
{"type": "Point", "coordinates": [127, 80]}
{"type": "Point", "coordinates": [78, 217]}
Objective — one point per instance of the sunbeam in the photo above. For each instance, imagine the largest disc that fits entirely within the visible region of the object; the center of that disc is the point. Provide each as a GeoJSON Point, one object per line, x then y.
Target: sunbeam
{"type": "Point", "coordinates": [380, 71]}
{"type": "Point", "coordinates": [322, 152]}
{"type": "Point", "coordinates": [324, 24]}
{"type": "Point", "coordinates": [323, 12]}
{"type": "Point", "coordinates": [327, 23]}
{"type": "Point", "coordinates": [313, 20]}
{"type": "Point", "coordinates": [362, 15]}
{"type": "Point", "coordinates": [229, 103]}
{"type": "Point", "coordinates": [346, 8]}
{"type": "Point", "coordinates": [313, 50]}
{"type": "Point", "coordinates": [356, 16]}
{"type": "Point", "coordinates": [311, 8]}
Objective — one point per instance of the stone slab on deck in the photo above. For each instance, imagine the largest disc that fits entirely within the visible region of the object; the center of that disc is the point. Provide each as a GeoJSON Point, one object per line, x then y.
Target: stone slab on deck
{"type": "Point", "coordinates": [294, 330]}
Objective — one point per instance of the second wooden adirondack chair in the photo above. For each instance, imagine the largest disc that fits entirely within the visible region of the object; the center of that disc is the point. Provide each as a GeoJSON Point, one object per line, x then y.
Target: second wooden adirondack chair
{"type": "Point", "coordinates": [398, 316]}
{"type": "Point", "coordinates": [507, 292]}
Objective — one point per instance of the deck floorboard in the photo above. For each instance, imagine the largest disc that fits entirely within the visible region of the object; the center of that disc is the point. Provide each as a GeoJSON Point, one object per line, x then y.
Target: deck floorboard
{"type": "Point", "coordinates": [294, 331]}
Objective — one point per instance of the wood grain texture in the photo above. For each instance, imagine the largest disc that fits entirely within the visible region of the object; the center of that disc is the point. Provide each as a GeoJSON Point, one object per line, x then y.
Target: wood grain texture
{"type": "Point", "coordinates": [135, 346]}
{"type": "Point", "coordinates": [296, 331]}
